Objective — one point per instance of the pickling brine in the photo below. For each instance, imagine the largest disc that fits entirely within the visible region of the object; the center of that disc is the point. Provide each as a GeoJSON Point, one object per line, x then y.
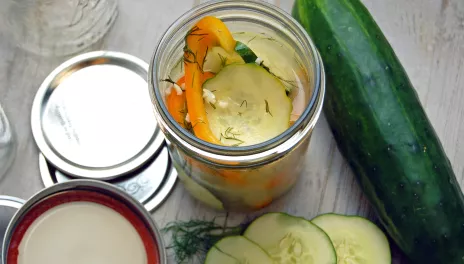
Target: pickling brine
{"type": "Point", "coordinates": [237, 98]}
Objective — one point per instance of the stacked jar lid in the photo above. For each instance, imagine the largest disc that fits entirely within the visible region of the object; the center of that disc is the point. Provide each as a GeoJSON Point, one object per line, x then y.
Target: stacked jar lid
{"type": "Point", "coordinates": [92, 118]}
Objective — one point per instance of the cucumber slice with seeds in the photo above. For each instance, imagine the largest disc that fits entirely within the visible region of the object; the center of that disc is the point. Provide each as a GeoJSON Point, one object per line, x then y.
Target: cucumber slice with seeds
{"type": "Point", "coordinates": [289, 239]}
{"type": "Point", "coordinates": [216, 256]}
{"type": "Point", "coordinates": [356, 239]}
{"type": "Point", "coordinates": [238, 248]}
{"type": "Point", "coordinates": [251, 105]}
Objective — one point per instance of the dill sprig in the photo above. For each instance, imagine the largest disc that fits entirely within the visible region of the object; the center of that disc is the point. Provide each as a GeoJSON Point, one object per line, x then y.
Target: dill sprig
{"type": "Point", "coordinates": [169, 80]}
{"type": "Point", "coordinates": [287, 83]}
{"type": "Point", "coordinates": [253, 38]}
{"type": "Point", "coordinates": [189, 53]}
{"type": "Point", "coordinates": [223, 60]}
{"type": "Point", "coordinates": [192, 239]}
{"type": "Point", "coordinates": [230, 135]}
{"type": "Point", "coordinates": [267, 108]}
{"type": "Point", "coordinates": [244, 102]}
{"type": "Point", "coordinates": [199, 121]}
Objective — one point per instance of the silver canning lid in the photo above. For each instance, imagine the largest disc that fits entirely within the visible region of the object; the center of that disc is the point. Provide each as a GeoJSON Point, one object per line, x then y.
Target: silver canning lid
{"type": "Point", "coordinates": [92, 116]}
{"type": "Point", "coordinates": [8, 207]}
{"type": "Point", "coordinates": [150, 185]}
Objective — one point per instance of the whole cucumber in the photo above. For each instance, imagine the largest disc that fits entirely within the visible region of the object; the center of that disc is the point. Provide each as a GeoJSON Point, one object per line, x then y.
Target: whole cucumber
{"type": "Point", "coordinates": [383, 132]}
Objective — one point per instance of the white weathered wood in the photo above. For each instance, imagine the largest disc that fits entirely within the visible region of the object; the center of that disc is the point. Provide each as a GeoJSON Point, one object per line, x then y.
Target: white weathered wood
{"type": "Point", "coordinates": [427, 35]}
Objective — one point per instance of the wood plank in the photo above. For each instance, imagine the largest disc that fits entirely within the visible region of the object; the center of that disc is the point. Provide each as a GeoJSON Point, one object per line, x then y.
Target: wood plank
{"type": "Point", "coordinates": [427, 36]}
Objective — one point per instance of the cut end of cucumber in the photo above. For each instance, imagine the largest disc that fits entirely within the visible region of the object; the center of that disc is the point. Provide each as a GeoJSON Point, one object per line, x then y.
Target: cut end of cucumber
{"type": "Point", "coordinates": [238, 249]}
{"type": "Point", "coordinates": [289, 239]}
{"type": "Point", "coordinates": [356, 239]}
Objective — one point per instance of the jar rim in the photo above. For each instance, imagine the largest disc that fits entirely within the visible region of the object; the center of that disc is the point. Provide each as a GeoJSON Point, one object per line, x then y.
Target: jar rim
{"type": "Point", "coordinates": [279, 144]}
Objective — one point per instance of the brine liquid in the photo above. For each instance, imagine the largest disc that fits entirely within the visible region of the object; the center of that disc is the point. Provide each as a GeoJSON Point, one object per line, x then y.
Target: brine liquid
{"type": "Point", "coordinates": [282, 62]}
{"type": "Point", "coordinates": [81, 233]}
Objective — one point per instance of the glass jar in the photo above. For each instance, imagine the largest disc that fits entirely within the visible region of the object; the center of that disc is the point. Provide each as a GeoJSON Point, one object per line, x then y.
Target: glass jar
{"type": "Point", "coordinates": [8, 143]}
{"type": "Point", "coordinates": [243, 178]}
{"type": "Point", "coordinates": [57, 27]}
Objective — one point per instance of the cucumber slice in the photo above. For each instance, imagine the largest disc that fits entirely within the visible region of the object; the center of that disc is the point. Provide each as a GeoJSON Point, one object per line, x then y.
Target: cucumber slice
{"type": "Point", "coordinates": [216, 256]}
{"type": "Point", "coordinates": [289, 239]}
{"type": "Point", "coordinates": [238, 248]}
{"type": "Point", "coordinates": [217, 58]}
{"type": "Point", "coordinates": [251, 105]}
{"type": "Point", "coordinates": [356, 239]}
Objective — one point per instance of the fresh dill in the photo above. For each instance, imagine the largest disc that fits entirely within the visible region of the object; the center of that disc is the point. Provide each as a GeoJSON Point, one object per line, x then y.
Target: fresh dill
{"type": "Point", "coordinates": [192, 32]}
{"type": "Point", "coordinates": [265, 67]}
{"type": "Point", "coordinates": [188, 52]}
{"type": "Point", "coordinates": [213, 106]}
{"type": "Point", "coordinates": [274, 40]}
{"type": "Point", "coordinates": [240, 114]}
{"type": "Point", "coordinates": [169, 80]}
{"type": "Point", "coordinates": [230, 135]}
{"type": "Point", "coordinates": [231, 138]}
{"type": "Point", "coordinates": [198, 122]}
{"type": "Point", "coordinates": [244, 102]}
{"type": "Point", "coordinates": [239, 33]}
{"type": "Point", "coordinates": [253, 38]}
{"type": "Point", "coordinates": [287, 83]}
{"type": "Point", "coordinates": [204, 60]}
{"type": "Point", "coordinates": [223, 60]}
{"type": "Point", "coordinates": [267, 108]}
{"type": "Point", "coordinates": [192, 239]}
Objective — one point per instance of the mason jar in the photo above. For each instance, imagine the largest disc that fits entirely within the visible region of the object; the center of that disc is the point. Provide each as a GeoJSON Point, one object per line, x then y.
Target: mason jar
{"type": "Point", "coordinates": [241, 178]}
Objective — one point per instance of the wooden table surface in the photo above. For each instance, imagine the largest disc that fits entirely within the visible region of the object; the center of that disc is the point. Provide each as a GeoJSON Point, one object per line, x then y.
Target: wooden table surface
{"type": "Point", "coordinates": [427, 35]}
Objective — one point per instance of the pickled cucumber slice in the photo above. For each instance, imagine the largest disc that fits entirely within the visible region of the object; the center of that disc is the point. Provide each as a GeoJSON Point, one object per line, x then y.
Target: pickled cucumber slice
{"type": "Point", "coordinates": [217, 58]}
{"type": "Point", "coordinates": [356, 239]}
{"type": "Point", "coordinates": [237, 248]}
{"type": "Point", "coordinates": [250, 107]}
{"type": "Point", "coordinates": [289, 239]}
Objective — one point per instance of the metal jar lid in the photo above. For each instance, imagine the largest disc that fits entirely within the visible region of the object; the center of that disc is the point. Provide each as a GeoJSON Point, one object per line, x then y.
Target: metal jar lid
{"type": "Point", "coordinates": [8, 207]}
{"type": "Point", "coordinates": [92, 116]}
{"type": "Point", "coordinates": [150, 185]}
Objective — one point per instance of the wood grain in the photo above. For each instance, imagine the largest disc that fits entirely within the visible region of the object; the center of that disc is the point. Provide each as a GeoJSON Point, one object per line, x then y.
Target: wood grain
{"type": "Point", "coordinates": [427, 35]}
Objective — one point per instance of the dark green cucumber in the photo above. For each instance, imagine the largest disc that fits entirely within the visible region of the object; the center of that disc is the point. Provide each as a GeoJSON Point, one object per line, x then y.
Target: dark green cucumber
{"type": "Point", "coordinates": [245, 52]}
{"type": "Point", "coordinates": [383, 132]}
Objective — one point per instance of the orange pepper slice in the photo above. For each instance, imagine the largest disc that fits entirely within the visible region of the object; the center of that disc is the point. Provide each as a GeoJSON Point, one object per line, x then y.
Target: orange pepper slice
{"type": "Point", "coordinates": [207, 33]}
{"type": "Point", "coordinates": [176, 104]}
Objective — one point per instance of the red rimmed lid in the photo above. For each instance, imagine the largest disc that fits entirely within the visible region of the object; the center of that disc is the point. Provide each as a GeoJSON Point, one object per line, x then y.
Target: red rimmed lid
{"type": "Point", "coordinates": [149, 242]}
